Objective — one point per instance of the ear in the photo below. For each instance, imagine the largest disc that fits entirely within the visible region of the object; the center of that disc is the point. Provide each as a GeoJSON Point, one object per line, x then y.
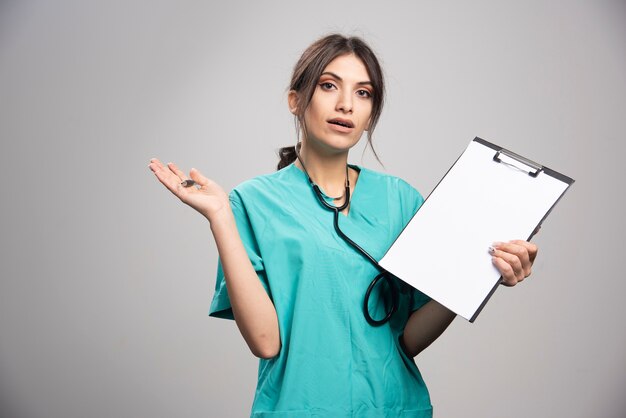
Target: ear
{"type": "Point", "coordinates": [292, 100]}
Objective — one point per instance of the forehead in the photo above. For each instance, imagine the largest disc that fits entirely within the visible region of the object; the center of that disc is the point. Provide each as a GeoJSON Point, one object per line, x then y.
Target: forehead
{"type": "Point", "coordinates": [348, 67]}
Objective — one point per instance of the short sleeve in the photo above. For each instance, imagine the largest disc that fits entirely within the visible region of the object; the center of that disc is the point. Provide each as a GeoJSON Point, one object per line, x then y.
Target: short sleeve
{"type": "Point", "coordinates": [220, 305]}
{"type": "Point", "coordinates": [418, 299]}
{"type": "Point", "coordinates": [411, 201]}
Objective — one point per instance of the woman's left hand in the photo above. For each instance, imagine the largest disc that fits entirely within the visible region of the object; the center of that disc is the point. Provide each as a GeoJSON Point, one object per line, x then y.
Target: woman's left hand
{"type": "Point", "coordinates": [514, 260]}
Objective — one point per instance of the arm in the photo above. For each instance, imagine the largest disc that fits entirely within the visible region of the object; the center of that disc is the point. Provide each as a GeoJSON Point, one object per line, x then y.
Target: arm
{"type": "Point", "coordinates": [513, 259]}
{"type": "Point", "coordinates": [253, 310]}
{"type": "Point", "coordinates": [424, 326]}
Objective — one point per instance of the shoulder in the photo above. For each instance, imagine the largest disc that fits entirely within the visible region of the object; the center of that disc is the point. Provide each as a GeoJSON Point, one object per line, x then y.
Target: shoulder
{"type": "Point", "coordinates": [263, 187]}
{"type": "Point", "coordinates": [392, 184]}
{"type": "Point", "coordinates": [394, 194]}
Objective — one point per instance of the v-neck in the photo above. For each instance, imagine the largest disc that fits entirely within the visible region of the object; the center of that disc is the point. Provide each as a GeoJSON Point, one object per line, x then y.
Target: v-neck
{"type": "Point", "coordinates": [329, 199]}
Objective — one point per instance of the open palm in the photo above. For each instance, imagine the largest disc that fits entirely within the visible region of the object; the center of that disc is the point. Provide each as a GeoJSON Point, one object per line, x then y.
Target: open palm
{"type": "Point", "coordinates": [209, 198]}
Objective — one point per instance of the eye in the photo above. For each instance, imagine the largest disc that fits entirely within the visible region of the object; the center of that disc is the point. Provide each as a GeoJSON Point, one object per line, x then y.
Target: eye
{"type": "Point", "coordinates": [364, 93]}
{"type": "Point", "coordinates": [327, 85]}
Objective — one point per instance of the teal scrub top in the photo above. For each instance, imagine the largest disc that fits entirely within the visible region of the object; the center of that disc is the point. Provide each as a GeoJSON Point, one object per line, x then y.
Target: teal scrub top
{"type": "Point", "coordinates": [332, 363]}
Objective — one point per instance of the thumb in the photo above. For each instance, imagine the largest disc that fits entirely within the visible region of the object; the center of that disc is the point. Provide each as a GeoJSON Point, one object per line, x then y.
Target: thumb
{"type": "Point", "coordinates": [198, 177]}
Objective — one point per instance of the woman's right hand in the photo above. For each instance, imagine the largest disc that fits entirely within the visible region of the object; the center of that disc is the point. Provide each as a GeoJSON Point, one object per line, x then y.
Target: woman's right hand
{"type": "Point", "coordinates": [209, 199]}
{"type": "Point", "coordinates": [252, 307]}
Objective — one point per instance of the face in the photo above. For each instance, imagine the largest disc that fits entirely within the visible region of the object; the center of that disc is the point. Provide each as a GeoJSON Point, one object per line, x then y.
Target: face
{"type": "Point", "coordinates": [340, 108]}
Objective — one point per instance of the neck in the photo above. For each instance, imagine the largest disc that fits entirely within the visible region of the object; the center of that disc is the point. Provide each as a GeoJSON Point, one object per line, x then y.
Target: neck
{"type": "Point", "coordinates": [328, 171]}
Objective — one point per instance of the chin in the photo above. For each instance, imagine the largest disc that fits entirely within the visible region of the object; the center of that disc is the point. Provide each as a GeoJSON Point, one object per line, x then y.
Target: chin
{"type": "Point", "coordinates": [332, 143]}
{"type": "Point", "coordinates": [340, 148]}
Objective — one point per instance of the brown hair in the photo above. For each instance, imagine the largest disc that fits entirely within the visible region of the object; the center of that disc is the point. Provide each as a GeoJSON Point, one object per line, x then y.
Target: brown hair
{"type": "Point", "coordinates": [308, 70]}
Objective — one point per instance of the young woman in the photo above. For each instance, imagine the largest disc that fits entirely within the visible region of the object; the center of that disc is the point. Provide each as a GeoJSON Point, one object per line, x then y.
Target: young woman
{"type": "Point", "coordinates": [295, 285]}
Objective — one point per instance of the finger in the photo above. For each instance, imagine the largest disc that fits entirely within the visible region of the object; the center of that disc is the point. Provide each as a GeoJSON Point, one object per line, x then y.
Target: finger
{"type": "Point", "coordinates": [506, 271]}
{"type": "Point", "coordinates": [530, 247]}
{"type": "Point", "coordinates": [524, 250]}
{"type": "Point", "coordinates": [159, 169]}
{"type": "Point", "coordinates": [170, 181]}
{"type": "Point", "coordinates": [518, 250]}
{"type": "Point", "coordinates": [174, 169]}
{"type": "Point", "coordinates": [206, 184]}
{"type": "Point", "coordinates": [513, 261]}
{"type": "Point", "coordinates": [155, 164]}
{"type": "Point", "coordinates": [167, 177]}
{"type": "Point", "coordinates": [197, 176]}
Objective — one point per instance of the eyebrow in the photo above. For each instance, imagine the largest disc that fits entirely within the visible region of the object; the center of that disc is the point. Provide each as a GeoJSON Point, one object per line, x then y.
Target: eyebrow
{"type": "Point", "coordinates": [361, 83]}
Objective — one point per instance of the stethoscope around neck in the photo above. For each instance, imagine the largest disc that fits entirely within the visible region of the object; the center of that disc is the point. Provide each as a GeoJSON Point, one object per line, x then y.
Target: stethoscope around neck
{"type": "Point", "coordinates": [382, 275]}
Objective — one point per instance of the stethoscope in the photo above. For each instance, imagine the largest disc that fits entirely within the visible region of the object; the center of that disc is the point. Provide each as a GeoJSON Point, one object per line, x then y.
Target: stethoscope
{"type": "Point", "coordinates": [382, 275]}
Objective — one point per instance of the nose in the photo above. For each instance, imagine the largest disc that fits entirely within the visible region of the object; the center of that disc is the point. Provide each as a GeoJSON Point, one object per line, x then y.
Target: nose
{"type": "Point", "coordinates": [344, 102]}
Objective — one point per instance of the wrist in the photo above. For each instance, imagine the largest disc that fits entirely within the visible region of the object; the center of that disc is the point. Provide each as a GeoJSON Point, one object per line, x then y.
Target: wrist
{"type": "Point", "coordinates": [224, 218]}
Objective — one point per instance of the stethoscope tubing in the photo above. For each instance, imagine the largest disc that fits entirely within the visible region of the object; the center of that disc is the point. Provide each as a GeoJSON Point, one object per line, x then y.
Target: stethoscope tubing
{"type": "Point", "coordinates": [383, 274]}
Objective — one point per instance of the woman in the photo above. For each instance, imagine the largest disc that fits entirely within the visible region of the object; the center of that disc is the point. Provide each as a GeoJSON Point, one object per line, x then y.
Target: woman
{"type": "Point", "coordinates": [294, 286]}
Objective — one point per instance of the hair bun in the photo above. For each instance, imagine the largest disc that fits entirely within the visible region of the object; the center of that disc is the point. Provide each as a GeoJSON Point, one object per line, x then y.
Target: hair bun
{"type": "Point", "coordinates": [287, 156]}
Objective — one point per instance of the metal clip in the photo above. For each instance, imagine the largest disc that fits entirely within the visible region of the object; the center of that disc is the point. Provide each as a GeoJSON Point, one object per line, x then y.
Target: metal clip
{"type": "Point", "coordinates": [514, 160]}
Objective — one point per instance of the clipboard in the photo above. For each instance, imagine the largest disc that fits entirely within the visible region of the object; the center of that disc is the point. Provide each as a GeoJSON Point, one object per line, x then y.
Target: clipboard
{"type": "Point", "coordinates": [489, 194]}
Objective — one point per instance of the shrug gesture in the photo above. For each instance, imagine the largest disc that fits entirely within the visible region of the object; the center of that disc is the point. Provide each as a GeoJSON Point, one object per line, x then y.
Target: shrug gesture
{"type": "Point", "coordinates": [252, 308]}
{"type": "Point", "coordinates": [209, 198]}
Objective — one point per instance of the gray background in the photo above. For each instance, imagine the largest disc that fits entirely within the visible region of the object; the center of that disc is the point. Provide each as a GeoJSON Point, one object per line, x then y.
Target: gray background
{"type": "Point", "coordinates": [106, 279]}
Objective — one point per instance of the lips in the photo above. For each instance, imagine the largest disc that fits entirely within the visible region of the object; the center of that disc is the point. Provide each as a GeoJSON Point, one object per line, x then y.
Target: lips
{"type": "Point", "coordinates": [342, 122]}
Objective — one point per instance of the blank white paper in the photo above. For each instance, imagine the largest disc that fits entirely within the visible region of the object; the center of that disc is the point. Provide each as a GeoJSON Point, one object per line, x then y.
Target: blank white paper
{"type": "Point", "coordinates": [443, 251]}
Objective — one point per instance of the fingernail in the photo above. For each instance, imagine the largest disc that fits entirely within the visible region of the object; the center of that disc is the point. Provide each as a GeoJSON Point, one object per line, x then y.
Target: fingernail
{"type": "Point", "coordinates": [496, 244]}
{"type": "Point", "coordinates": [492, 250]}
